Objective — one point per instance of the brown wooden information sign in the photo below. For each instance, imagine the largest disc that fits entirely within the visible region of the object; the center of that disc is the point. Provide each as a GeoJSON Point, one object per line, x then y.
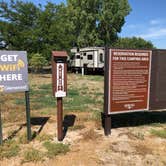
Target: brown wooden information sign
{"type": "Point", "coordinates": [129, 80]}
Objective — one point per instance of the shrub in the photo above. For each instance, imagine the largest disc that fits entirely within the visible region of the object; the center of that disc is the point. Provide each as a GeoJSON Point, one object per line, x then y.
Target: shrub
{"type": "Point", "coordinates": [53, 149]}
{"type": "Point", "coordinates": [37, 62]}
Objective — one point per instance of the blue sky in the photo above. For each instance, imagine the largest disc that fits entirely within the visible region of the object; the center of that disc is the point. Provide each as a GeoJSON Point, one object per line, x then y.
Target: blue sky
{"type": "Point", "coordinates": [147, 20]}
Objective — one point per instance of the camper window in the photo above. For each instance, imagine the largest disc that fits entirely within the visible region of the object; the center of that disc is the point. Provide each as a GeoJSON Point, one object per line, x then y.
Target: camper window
{"type": "Point", "coordinates": [101, 58]}
{"type": "Point", "coordinates": [90, 57]}
{"type": "Point", "coordinates": [78, 57]}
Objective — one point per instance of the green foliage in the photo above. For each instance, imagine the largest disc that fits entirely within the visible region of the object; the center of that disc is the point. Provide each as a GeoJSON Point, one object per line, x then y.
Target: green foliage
{"type": "Point", "coordinates": [9, 149]}
{"type": "Point", "coordinates": [33, 155]}
{"type": "Point", "coordinates": [37, 61]}
{"type": "Point", "coordinates": [133, 43]}
{"type": "Point", "coordinates": [54, 149]}
{"type": "Point", "coordinates": [19, 24]}
{"type": "Point", "coordinates": [25, 26]}
{"type": "Point", "coordinates": [97, 22]}
{"type": "Point", "coordinates": [159, 133]}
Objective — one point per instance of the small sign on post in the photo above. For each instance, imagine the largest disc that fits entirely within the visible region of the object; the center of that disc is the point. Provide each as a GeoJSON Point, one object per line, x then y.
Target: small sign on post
{"type": "Point", "coordinates": [59, 85]}
{"type": "Point", "coordinates": [14, 78]}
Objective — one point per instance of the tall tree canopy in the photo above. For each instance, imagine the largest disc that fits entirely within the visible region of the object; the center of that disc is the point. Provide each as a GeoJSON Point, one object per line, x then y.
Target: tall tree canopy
{"type": "Point", "coordinates": [81, 23]}
{"type": "Point", "coordinates": [97, 22]}
{"type": "Point", "coordinates": [25, 26]}
{"type": "Point", "coordinates": [133, 43]}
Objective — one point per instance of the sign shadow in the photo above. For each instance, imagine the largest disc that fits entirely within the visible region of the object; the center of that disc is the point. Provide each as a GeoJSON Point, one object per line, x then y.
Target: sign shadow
{"type": "Point", "coordinates": [38, 121]}
{"type": "Point", "coordinates": [68, 121]}
{"type": "Point", "coordinates": [14, 133]}
{"type": "Point", "coordinates": [136, 118]}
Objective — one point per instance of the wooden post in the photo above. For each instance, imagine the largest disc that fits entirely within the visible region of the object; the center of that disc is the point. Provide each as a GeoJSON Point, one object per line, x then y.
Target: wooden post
{"type": "Point", "coordinates": [60, 118]}
{"type": "Point", "coordinates": [106, 116]}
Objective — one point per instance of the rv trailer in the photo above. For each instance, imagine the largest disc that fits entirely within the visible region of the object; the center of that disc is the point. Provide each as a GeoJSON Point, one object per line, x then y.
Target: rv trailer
{"type": "Point", "coordinates": [89, 58]}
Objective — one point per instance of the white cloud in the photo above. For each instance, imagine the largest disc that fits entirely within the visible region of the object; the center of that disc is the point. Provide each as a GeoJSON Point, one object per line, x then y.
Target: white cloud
{"type": "Point", "coordinates": [155, 22]}
{"type": "Point", "coordinates": [158, 21]}
{"type": "Point", "coordinates": [154, 33]}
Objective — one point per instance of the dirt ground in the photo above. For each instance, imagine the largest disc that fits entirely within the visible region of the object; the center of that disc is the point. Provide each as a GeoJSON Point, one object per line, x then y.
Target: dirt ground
{"type": "Point", "coordinates": [127, 145]}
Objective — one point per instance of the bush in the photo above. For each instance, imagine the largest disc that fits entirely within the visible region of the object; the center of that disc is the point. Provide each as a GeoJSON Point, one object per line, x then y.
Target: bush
{"type": "Point", "coordinates": [37, 62]}
{"type": "Point", "coordinates": [33, 155]}
{"type": "Point", "coordinates": [53, 149]}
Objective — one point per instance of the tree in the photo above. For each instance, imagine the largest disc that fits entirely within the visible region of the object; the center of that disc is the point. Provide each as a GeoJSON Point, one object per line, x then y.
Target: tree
{"type": "Point", "coordinates": [37, 62]}
{"type": "Point", "coordinates": [133, 43]}
{"type": "Point", "coordinates": [97, 22]}
{"type": "Point", "coordinates": [18, 26]}
{"type": "Point", "coordinates": [25, 26]}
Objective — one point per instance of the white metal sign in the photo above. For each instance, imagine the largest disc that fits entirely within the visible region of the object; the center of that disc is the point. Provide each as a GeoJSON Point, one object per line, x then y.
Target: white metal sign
{"type": "Point", "coordinates": [60, 81]}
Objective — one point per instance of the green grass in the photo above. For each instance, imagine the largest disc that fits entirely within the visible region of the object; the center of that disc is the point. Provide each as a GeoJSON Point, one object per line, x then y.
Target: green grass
{"type": "Point", "coordinates": [160, 133]}
{"type": "Point", "coordinates": [44, 137]}
{"type": "Point", "coordinates": [40, 97]}
{"type": "Point", "coordinates": [94, 78]}
{"type": "Point", "coordinates": [9, 149]}
{"type": "Point", "coordinates": [19, 101]}
{"type": "Point", "coordinates": [77, 127]}
{"type": "Point", "coordinates": [54, 149]}
{"type": "Point", "coordinates": [96, 115]}
{"type": "Point", "coordinates": [33, 155]}
{"type": "Point", "coordinates": [77, 101]}
{"type": "Point", "coordinates": [22, 139]}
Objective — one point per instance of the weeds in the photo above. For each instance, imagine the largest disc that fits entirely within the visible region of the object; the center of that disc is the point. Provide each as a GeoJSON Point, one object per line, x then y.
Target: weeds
{"type": "Point", "coordinates": [77, 101]}
{"type": "Point", "coordinates": [33, 155]}
{"type": "Point", "coordinates": [139, 135]}
{"type": "Point", "coordinates": [23, 139]}
{"type": "Point", "coordinates": [53, 149]}
{"type": "Point", "coordinates": [44, 137]}
{"type": "Point", "coordinates": [160, 133]}
{"type": "Point", "coordinates": [77, 127]}
{"type": "Point", "coordinates": [9, 149]}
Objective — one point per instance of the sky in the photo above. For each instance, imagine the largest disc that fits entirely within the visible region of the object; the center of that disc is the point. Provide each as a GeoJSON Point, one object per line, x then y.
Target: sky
{"type": "Point", "coordinates": [147, 20]}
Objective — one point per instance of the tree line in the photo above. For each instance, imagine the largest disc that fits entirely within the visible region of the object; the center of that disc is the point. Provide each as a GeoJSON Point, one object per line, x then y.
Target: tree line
{"type": "Point", "coordinates": [77, 23]}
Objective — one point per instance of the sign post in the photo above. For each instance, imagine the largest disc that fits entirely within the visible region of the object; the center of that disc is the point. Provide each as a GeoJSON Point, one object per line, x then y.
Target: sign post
{"type": "Point", "coordinates": [14, 78]}
{"type": "Point", "coordinates": [59, 85]}
{"type": "Point", "coordinates": [106, 116]}
{"type": "Point", "coordinates": [1, 136]}
{"type": "Point", "coordinates": [127, 81]}
{"type": "Point", "coordinates": [28, 118]}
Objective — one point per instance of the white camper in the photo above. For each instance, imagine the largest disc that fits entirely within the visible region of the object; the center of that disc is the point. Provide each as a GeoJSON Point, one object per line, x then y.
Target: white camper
{"type": "Point", "coordinates": [90, 58]}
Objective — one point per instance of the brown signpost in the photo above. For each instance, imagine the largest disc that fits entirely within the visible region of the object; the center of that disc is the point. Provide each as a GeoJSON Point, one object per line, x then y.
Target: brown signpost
{"type": "Point", "coordinates": [59, 85]}
{"type": "Point", "coordinates": [127, 82]}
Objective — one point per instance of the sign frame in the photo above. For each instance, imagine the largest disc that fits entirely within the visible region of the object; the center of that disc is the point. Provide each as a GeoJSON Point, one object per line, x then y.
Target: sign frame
{"type": "Point", "coordinates": [59, 58]}
{"type": "Point", "coordinates": [13, 71]}
{"type": "Point", "coordinates": [14, 68]}
{"type": "Point", "coordinates": [109, 66]}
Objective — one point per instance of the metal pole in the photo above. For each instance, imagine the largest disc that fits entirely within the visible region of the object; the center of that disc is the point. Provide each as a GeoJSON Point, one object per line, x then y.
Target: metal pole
{"type": "Point", "coordinates": [60, 118]}
{"type": "Point", "coordinates": [28, 119]}
{"type": "Point", "coordinates": [82, 69]}
{"type": "Point", "coordinates": [1, 136]}
{"type": "Point", "coordinates": [106, 116]}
